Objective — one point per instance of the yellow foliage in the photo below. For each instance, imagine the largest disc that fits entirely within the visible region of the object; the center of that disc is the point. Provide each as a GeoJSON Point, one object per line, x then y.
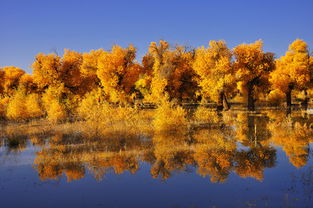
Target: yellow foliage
{"type": "Point", "coordinates": [56, 112]}
{"type": "Point", "coordinates": [294, 138]}
{"type": "Point", "coordinates": [214, 67]}
{"type": "Point", "coordinates": [170, 118]}
{"type": "Point", "coordinates": [214, 154]}
{"type": "Point", "coordinates": [275, 97]}
{"type": "Point", "coordinates": [3, 106]}
{"type": "Point", "coordinates": [89, 107]}
{"type": "Point", "coordinates": [33, 106]}
{"type": "Point", "coordinates": [11, 79]}
{"type": "Point", "coordinates": [16, 108]}
{"type": "Point", "coordinates": [105, 119]}
{"type": "Point", "coordinates": [27, 81]}
{"type": "Point", "coordinates": [293, 71]}
{"type": "Point", "coordinates": [47, 69]}
{"type": "Point", "coordinates": [206, 116]}
{"type": "Point", "coordinates": [89, 66]}
{"type": "Point", "coordinates": [118, 73]}
{"type": "Point", "coordinates": [252, 67]}
{"type": "Point", "coordinates": [52, 101]}
{"type": "Point", "coordinates": [70, 68]}
{"type": "Point", "coordinates": [168, 73]}
{"type": "Point", "coordinates": [23, 107]}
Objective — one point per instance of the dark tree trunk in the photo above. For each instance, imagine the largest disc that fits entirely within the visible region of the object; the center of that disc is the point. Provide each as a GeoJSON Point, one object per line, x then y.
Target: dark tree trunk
{"type": "Point", "coordinates": [222, 103]}
{"type": "Point", "coordinates": [288, 97]}
{"type": "Point", "coordinates": [225, 102]}
{"type": "Point", "coordinates": [251, 100]}
{"type": "Point", "coordinates": [220, 106]}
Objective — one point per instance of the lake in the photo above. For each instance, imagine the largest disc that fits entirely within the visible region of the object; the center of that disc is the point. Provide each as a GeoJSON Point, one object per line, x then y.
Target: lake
{"type": "Point", "coordinates": [236, 159]}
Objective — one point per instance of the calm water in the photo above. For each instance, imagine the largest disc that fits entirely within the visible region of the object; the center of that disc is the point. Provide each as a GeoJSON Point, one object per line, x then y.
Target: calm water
{"type": "Point", "coordinates": [242, 160]}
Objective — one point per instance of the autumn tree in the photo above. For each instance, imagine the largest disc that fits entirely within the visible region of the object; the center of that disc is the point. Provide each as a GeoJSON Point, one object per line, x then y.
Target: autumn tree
{"type": "Point", "coordinates": [89, 69]}
{"type": "Point", "coordinates": [216, 74]}
{"type": "Point", "coordinates": [11, 77]}
{"type": "Point", "coordinates": [293, 71]}
{"type": "Point", "coordinates": [252, 67]}
{"type": "Point", "coordinates": [52, 69]}
{"type": "Point", "coordinates": [181, 82]}
{"type": "Point", "coordinates": [118, 71]}
{"type": "Point", "coordinates": [71, 71]}
{"type": "Point", "coordinates": [168, 72]}
{"type": "Point", "coordinates": [160, 68]}
{"type": "Point", "coordinates": [46, 70]}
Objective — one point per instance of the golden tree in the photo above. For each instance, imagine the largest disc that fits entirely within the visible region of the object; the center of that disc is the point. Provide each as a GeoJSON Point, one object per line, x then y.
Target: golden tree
{"type": "Point", "coordinates": [118, 72]}
{"type": "Point", "coordinates": [52, 69]}
{"type": "Point", "coordinates": [47, 70]}
{"type": "Point", "coordinates": [168, 72]}
{"type": "Point", "coordinates": [160, 69]}
{"type": "Point", "coordinates": [89, 69]}
{"type": "Point", "coordinates": [216, 74]}
{"type": "Point", "coordinates": [293, 71]}
{"type": "Point", "coordinates": [70, 70]}
{"type": "Point", "coordinates": [11, 77]}
{"type": "Point", "coordinates": [252, 67]}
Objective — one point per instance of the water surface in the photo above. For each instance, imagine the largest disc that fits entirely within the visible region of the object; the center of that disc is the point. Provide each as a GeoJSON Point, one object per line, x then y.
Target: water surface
{"type": "Point", "coordinates": [240, 160]}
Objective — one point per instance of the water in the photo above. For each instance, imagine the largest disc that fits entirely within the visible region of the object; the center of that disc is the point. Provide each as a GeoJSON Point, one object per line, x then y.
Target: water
{"type": "Point", "coordinates": [258, 160]}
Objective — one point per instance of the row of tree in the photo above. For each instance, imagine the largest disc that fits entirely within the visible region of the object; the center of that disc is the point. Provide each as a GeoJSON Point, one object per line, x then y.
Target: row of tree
{"type": "Point", "coordinates": [171, 73]}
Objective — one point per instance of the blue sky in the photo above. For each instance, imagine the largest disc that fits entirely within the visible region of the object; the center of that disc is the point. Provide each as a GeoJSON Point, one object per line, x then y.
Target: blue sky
{"type": "Point", "coordinates": [28, 27]}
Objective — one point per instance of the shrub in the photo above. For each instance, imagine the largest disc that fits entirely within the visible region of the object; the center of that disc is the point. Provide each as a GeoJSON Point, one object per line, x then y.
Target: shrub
{"type": "Point", "coordinates": [170, 118]}
{"type": "Point", "coordinates": [16, 108]}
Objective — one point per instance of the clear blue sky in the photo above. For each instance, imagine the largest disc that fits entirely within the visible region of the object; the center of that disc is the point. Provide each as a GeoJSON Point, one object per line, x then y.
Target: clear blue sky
{"type": "Point", "coordinates": [28, 27]}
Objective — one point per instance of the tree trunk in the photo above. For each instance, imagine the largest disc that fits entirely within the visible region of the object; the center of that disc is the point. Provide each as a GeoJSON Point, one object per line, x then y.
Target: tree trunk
{"type": "Point", "coordinates": [222, 103]}
{"type": "Point", "coordinates": [225, 102]}
{"type": "Point", "coordinates": [220, 106]}
{"type": "Point", "coordinates": [251, 100]}
{"type": "Point", "coordinates": [288, 97]}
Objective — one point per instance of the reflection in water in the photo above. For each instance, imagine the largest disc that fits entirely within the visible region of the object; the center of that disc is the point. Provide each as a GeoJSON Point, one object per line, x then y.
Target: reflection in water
{"type": "Point", "coordinates": [233, 142]}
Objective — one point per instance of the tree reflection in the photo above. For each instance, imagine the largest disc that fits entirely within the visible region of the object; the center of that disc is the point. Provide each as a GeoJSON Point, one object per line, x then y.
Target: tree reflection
{"type": "Point", "coordinates": [233, 142]}
{"type": "Point", "coordinates": [293, 134]}
{"type": "Point", "coordinates": [252, 163]}
{"type": "Point", "coordinates": [172, 152]}
{"type": "Point", "coordinates": [215, 153]}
